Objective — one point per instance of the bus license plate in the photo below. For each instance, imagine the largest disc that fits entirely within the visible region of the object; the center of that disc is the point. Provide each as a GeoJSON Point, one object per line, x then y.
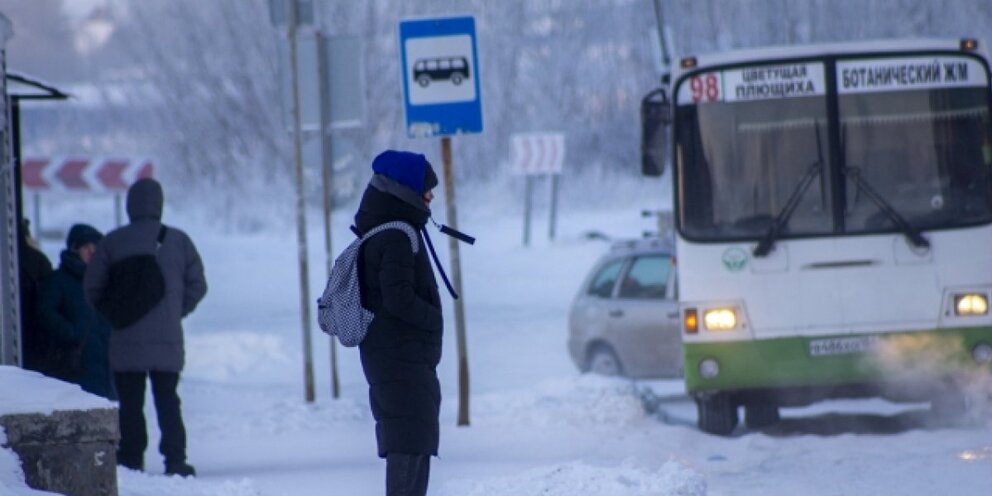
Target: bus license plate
{"type": "Point", "coordinates": [842, 346]}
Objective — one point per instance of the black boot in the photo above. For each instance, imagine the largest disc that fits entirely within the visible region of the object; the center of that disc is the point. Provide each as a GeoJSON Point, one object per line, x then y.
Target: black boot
{"type": "Point", "coordinates": [133, 463]}
{"type": "Point", "coordinates": [181, 469]}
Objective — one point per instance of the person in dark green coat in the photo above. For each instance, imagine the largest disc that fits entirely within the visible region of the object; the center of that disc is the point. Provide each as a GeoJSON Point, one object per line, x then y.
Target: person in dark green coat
{"type": "Point", "coordinates": [78, 336]}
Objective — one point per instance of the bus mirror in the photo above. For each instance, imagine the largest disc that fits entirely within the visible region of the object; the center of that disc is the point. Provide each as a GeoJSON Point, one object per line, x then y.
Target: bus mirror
{"type": "Point", "coordinates": [656, 116]}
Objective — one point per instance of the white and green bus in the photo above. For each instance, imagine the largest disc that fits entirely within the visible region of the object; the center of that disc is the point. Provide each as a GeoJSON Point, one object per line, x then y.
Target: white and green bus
{"type": "Point", "coordinates": [833, 207]}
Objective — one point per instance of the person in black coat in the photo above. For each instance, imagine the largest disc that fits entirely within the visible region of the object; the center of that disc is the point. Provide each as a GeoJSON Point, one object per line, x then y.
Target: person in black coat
{"type": "Point", "coordinates": [78, 336]}
{"type": "Point", "coordinates": [402, 349]}
{"type": "Point", "coordinates": [33, 268]}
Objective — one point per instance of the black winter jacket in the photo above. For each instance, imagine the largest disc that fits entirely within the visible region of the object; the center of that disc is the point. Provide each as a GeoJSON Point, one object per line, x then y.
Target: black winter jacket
{"type": "Point", "coordinates": [70, 322]}
{"type": "Point", "coordinates": [401, 352]}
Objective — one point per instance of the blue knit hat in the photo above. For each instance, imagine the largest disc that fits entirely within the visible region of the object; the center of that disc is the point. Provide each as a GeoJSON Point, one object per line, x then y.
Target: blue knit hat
{"type": "Point", "coordinates": [407, 168]}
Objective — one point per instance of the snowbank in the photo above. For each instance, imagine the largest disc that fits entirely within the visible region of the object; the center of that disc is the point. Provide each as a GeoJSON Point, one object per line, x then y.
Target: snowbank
{"type": "Point", "coordinates": [672, 479]}
{"type": "Point", "coordinates": [277, 417]}
{"type": "Point", "coordinates": [131, 483]}
{"type": "Point", "coordinates": [582, 401]}
{"type": "Point", "coordinates": [235, 356]}
{"type": "Point", "coordinates": [24, 391]}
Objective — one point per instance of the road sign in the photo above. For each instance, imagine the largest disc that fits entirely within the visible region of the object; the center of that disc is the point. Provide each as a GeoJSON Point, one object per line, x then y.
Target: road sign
{"type": "Point", "coordinates": [537, 153]}
{"type": "Point", "coordinates": [440, 77]}
{"type": "Point", "coordinates": [345, 102]}
{"type": "Point", "coordinates": [83, 173]}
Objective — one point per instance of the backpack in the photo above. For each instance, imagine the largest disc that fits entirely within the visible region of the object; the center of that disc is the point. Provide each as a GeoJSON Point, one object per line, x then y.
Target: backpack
{"type": "Point", "coordinates": [339, 310]}
{"type": "Point", "coordinates": [134, 286]}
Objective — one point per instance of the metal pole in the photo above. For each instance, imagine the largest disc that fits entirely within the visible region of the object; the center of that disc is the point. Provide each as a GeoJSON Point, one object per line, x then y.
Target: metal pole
{"type": "Point", "coordinates": [118, 209]}
{"type": "Point", "coordinates": [37, 218]}
{"type": "Point", "coordinates": [456, 279]}
{"type": "Point", "coordinates": [554, 206]}
{"type": "Point", "coordinates": [327, 163]}
{"type": "Point", "coordinates": [666, 58]}
{"type": "Point", "coordinates": [527, 208]}
{"type": "Point", "coordinates": [301, 218]}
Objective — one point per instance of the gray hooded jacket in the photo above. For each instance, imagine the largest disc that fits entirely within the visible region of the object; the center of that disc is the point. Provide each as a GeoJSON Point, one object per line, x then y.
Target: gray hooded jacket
{"type": "Point", "coordinates": [156, 341]}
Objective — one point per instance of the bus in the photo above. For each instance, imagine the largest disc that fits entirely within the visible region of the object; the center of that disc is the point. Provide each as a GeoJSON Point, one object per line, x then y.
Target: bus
{"type": "Point", "coordinates": [833, 215]}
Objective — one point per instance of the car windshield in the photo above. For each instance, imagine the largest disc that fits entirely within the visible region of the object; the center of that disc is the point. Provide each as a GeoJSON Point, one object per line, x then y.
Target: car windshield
{"type": "Point", "coordinates": [748, 139]}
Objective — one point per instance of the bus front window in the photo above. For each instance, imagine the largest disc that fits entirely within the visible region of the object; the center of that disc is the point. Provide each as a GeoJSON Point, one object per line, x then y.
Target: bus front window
{"type": "Point", "coordinates": [917, 130]}
{"type": "Point", "coordinates": [741, 155]}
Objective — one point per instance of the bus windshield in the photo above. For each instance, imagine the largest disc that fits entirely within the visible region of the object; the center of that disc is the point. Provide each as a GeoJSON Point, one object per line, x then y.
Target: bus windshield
{"type": "Point", "coordinates": [914, 130]}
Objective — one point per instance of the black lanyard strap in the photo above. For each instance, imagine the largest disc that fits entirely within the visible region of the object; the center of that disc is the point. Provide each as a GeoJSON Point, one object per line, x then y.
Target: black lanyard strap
{"type": "Point", "coordinates": [437, 263]}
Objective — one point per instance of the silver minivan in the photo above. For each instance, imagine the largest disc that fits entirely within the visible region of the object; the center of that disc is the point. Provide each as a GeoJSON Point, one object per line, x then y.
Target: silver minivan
{"type": "Point", "coordinates": [625, 319]}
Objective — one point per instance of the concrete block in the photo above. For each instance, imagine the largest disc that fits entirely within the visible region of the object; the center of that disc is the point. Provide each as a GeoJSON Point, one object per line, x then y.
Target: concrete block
{"type": "Point", "coordinates": [71, 452]}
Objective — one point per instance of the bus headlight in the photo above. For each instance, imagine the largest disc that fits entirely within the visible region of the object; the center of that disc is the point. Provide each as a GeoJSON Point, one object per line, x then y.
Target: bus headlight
{"type": "Point", "coordinates": [971, 304]}
{"type": "Point", "coordinates": [720, 319]}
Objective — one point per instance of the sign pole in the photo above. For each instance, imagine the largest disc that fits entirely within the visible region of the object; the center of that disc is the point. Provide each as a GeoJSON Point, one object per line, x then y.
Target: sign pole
{"type": "Point", "coordinates": [37, 217]}
{"type": "Point", "coordinates": [327, 163]}
{"type": "Point", "coordinates": [554, 206]}
{"type": "Point", "coordinates": [118, 217]}
{"type": "Point", "coordinates": [301, 220]}
{"type": "Point", "coordinates": [456, 276]}
{"type": "Point", "coordinates": [528, 206]}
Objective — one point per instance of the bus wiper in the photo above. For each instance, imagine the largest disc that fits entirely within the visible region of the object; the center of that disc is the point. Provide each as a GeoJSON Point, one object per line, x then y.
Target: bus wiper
{"type": "Point", "coordinates": [911, 233]}
{"type": "Point", "coordinates": [768, 241]}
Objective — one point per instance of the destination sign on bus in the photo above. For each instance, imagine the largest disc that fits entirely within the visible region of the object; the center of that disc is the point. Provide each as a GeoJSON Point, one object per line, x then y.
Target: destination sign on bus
{"type": "Point", "coordinates": [909, 73]}
{"type": "Point", "coordinates": [766, 82]}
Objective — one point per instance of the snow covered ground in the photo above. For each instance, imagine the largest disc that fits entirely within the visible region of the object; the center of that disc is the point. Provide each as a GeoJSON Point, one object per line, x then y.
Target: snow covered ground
{"type": "Point", "coordinates": [538, 427]}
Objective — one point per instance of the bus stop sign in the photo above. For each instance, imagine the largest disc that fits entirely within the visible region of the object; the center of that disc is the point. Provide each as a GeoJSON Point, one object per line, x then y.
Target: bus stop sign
{"type": "Point", "coordinates": [440, 77]}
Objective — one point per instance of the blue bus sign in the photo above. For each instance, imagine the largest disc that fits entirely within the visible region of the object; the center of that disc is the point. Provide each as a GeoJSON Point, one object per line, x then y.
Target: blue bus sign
{"type": "Point", "coordinates": [440, 68]}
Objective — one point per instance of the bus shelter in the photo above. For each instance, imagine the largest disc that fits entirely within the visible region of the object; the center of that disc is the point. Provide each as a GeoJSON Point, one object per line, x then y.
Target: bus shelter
{"type": "Point", "coordinates": [15, 89]}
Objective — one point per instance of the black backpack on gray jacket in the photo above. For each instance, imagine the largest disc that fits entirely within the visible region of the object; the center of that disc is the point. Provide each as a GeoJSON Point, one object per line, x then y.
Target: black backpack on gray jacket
{"type": "Point", "coordinates": [135, 284]}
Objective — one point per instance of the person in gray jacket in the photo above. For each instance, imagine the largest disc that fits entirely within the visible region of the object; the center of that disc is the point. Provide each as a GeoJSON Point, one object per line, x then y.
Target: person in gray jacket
{"type": "Point", "coordinates": [152, 347]}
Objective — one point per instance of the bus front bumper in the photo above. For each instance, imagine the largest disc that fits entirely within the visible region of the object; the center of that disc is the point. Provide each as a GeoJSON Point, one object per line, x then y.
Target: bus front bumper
{"type": "Point", "coordinates": [903, 366]}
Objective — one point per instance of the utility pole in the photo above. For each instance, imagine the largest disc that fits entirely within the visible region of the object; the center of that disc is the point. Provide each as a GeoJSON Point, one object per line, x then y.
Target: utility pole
{"type": "Point", "coordinates": [301, 217]}
{"type": "Point", "coordinates": [326, 166]}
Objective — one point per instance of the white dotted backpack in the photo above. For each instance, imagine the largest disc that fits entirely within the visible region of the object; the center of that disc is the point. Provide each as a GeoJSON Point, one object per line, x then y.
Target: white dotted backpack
{"type": "Point", "coordinates": [339, 310]}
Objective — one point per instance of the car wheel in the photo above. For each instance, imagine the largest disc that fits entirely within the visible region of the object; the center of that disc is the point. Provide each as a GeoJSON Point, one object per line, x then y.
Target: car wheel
{"type": "Point", "coordinates": [456, 78]}
{"type": "Point", "coordinates": [603, 361]}
{"type": "Point", "coordinates": [423, 81]}
{"type": "Point", "coordinates": [717, 414]}
{"type": "Point", "coordinates": [761, 415]}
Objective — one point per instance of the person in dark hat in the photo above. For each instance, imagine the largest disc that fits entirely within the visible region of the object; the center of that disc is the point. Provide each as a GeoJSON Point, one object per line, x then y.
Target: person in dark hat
{"type": "Point", "coordinates": [402, 349]}
{"type": "Point", "coordinates": [78, 336]}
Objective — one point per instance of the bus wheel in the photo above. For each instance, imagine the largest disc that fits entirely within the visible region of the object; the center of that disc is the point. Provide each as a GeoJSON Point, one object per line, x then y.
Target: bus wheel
{"type": "Point", "coordinates": [717, 414]}
{"type": "Point", "coordinates": [423, 81]}
{"type": "Point", "coordinates": [760, 415]}
{"type": "Point", "coordinates": [950, 405]}
{"type": "Point", "coordinates": [456, 78]}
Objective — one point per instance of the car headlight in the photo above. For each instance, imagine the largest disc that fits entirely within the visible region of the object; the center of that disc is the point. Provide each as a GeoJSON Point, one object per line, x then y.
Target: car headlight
{"type": "Point", "coordinates": [720, 319]}
{"type": "Point", "coordinates": [971, 304]}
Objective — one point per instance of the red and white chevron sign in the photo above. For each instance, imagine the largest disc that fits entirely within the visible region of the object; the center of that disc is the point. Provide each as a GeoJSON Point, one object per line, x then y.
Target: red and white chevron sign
{"type": "Point", "coordinates": [83, 174]}
{"type": "Point", "coordinates": [537, 153]}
